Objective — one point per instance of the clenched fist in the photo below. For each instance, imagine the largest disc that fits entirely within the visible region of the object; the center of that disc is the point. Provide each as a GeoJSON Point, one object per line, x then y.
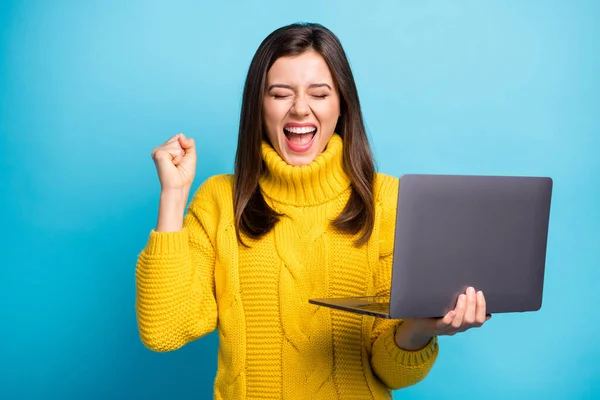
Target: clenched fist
{"type": "Point", "coordinates": [175, 162]}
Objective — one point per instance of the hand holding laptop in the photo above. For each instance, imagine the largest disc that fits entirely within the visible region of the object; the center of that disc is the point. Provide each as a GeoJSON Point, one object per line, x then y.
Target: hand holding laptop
{"type": "Point", "coordinates": [470, 312]}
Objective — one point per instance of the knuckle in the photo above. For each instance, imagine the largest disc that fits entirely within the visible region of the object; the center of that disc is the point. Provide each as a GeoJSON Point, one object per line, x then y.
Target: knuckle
{"type": "Point", "coordinates": [157, 154]}
{"type": "Point", "coordinates": [161, 155]}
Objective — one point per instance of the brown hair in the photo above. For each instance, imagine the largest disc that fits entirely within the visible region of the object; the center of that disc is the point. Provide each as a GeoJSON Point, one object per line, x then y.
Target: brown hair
{"type": "Point", "coordinates": [253, 216]}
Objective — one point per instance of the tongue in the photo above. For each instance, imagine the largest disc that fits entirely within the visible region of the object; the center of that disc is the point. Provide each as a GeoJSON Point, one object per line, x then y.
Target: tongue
{"type": "Point", "coordinates": [300, 139]}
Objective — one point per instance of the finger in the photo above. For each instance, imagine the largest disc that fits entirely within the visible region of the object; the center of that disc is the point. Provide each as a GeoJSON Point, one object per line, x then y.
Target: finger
{"type": "Point", "coordinates": [174, 148]}
{"type": "Point", "coordinates": [175, 138]}
{"type": "Point", "coordinates": [177, 159]}
{"type": "Point", "coordinates": [160, 155]}
{"type": "Point", "coordinates": [178, 155]}
{"type": "Point", "coordinates": [460, 308]}
{"type": "Point", "coordinates": [168, 153]}
{"type": "Point", "coordinates": [480, 316]}
{"type": "Point", "coordinates": [488, 317]}
{"type": "Point", "coordinates": [469, 317]}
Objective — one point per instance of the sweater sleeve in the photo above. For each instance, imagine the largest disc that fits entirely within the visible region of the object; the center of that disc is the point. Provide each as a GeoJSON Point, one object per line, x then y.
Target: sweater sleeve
{"type": "Point", "coordinates": [395, 367]}
{"type": "Point", "coordinates": [175, 299]}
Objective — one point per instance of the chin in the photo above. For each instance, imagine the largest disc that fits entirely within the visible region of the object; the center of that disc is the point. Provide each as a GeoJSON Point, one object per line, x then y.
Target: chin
{"type": "Point", "coordinates": [299, 161]}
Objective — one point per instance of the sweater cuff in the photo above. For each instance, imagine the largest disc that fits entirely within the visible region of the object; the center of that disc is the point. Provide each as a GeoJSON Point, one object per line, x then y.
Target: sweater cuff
{"type": "Point", "coordinates": [167, 243]}
{"type": "Point", "coordinates": [386, 344]}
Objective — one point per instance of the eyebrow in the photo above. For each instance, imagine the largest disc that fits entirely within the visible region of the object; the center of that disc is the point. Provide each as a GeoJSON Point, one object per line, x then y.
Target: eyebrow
{"type": "Point", "coordinates": [312, 86]}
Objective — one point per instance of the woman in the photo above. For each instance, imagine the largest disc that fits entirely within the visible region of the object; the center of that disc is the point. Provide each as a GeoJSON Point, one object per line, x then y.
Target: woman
{"type": "Point", "coordinates": [305, 215]}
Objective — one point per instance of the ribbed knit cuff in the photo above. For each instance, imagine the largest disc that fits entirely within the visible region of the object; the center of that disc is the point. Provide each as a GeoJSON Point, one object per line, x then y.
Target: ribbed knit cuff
{"type": "Point", "coordinates": [413, 358]}
{"type": "Point", "coordinates": [167, 243]}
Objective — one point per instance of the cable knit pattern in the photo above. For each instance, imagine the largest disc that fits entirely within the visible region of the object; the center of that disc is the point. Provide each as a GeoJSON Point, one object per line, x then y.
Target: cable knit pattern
{"type": "Point", "coordinates": [273, 343]}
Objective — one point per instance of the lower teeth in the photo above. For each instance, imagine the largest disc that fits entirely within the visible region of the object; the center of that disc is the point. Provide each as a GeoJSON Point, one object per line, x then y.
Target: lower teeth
{"type": "Point", "coordinates": [300, 138]}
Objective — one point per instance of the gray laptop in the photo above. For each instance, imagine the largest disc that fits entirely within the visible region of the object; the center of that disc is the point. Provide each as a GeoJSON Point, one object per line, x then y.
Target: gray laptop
{"type": "Point", "coordinates": [456, 231]}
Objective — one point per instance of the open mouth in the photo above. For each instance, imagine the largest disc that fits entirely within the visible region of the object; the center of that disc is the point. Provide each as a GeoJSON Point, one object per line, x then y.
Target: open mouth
{"type": "Point", "coordinates": [300, 135]}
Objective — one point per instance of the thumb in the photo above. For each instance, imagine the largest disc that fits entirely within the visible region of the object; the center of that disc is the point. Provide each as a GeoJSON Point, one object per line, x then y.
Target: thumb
{"type": "Point", "coordinates": [187, 143]}
{"type": "Point", "coordinates": [446, 321]}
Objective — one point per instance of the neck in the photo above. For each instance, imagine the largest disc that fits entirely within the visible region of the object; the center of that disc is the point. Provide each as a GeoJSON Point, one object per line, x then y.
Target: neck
{"type": "Point", "coordinates": [316, 183]}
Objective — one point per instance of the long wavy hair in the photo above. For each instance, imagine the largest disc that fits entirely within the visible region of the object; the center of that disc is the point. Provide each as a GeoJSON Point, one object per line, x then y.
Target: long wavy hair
{"type": "Point", "coordinates": [253, 216]}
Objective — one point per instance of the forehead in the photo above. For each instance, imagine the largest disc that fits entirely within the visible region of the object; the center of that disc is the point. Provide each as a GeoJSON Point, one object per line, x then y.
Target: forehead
{"type": "Point", "coordinates": [308, 67]}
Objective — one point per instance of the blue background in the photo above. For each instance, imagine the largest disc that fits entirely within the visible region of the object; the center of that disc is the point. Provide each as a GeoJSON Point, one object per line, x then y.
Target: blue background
{"type": "Point", "coordinates": [87, 89]}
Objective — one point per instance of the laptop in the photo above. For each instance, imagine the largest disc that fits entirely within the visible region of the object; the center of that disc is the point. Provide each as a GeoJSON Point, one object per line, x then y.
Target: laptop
{"type": "Point", "coordinates": [456, 231]}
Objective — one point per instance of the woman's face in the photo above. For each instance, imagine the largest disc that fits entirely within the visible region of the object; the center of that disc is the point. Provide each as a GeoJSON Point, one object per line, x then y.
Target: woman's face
{"type": "Point", "coordinates": [301, 107]}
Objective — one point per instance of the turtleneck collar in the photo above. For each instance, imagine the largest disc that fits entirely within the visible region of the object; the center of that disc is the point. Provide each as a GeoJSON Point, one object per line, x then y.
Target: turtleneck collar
{"type": "Point", "coordinates": [316, 183]}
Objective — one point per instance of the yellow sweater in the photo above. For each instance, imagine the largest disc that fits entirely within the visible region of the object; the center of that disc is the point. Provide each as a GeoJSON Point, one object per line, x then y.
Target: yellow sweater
{"type": "Point", "coordinates": [273, 343]}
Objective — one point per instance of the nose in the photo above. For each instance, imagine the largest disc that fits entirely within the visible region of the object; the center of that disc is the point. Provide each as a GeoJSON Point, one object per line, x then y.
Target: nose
{"type": "Point", "coordinates": [300, 106]}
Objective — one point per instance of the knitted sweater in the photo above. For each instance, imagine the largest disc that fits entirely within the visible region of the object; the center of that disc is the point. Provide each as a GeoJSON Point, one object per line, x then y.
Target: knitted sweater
{"type": "Point", "coordinates": [273, 343]}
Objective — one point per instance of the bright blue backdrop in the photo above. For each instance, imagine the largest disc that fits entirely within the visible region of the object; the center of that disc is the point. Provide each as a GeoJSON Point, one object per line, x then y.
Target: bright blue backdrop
{"type": "Point", "coordinates": [87, 89]}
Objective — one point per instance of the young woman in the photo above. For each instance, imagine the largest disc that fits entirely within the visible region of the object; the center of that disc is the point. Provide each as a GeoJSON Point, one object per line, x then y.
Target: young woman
{"type": "Point", "coordinates": [304, 216]}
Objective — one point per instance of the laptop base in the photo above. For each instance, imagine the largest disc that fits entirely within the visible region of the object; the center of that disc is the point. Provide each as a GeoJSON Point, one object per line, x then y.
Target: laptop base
{"type": "Point", "coordinates": [368, 305]}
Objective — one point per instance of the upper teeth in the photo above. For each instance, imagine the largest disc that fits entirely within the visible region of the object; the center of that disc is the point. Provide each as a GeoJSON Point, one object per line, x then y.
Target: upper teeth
{"type": "Point", "coordinates": [299, 130]}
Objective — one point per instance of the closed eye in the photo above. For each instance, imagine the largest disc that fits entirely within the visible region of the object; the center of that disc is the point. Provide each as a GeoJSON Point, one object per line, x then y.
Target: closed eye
{"type": "Point", "coordinates": [279, 95]}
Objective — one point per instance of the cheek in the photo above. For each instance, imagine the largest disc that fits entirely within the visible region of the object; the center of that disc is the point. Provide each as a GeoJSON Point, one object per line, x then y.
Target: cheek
{"type": "Point", "coordinates": [273, 113]}
{"type": "Point", "coordinates": [327, 113]}
{"type": "Point", "coordinates": [268, 118]}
